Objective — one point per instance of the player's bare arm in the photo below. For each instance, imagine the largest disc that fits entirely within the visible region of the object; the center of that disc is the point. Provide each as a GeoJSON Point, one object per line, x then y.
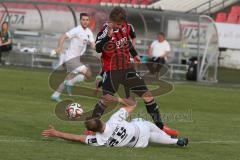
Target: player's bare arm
{"type": "Point", "coordinates": [167, 54]}
{"type": "Point", "coordinates": [61, 41]}
{"type": "Point", "coordinates": [93, 45]}
{"type": "Point", "coordinates": [128, 103]}
{"type": "Point", "coordinates": [134, 41]}
{"type": "Point", "coordinates": [134, 53]}
{"type": "Point", "coordinates": [150, 51]}
{"type": "Point", "coordinates": [52, 132]}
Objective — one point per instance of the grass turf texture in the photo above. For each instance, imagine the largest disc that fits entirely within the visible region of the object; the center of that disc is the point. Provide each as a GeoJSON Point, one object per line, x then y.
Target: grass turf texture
{"type": "Point", "coordinates": [26, 109]}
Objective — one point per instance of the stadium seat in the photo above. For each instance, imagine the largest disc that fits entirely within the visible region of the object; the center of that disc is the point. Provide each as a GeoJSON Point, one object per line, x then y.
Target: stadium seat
{"type": "Point", "coordinates": [232, 18]}
{"type": "Point", "coordinates": [61, 1]}
{"type": "Point", "coordinates": [133, 2]}
{"type": "Point", "coordinates": [221, 17]}
{"type": "Point", "coordinates": [75, 1]}
{"type": "Point", "coordinates": [105, 1]}
{"type": "Point", "coordinates": [47, 0]}
{"type": "Point", "coordinates": [95, 1]}
{"type": "Point", "coordinates": [235, 10]}
{"type": "Point", "coordinates": [125, 1]}
{"type": "Point", "coordinates": [116, 1]}
{"type": "Point", "coordinates": [84, 2]}
{"type": "Point", "coordinates": [146, 2]}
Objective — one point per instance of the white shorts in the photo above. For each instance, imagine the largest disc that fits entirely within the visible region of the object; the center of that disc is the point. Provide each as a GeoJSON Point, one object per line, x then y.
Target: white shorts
{"type": "Point", "coordinates": [74, 65]}
{"type": "Point", "coordinates": [144, 132]}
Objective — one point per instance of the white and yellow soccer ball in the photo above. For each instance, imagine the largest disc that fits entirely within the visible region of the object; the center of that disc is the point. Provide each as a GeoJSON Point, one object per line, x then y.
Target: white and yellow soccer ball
{"type": "Point", "coordinates": [74, 110]}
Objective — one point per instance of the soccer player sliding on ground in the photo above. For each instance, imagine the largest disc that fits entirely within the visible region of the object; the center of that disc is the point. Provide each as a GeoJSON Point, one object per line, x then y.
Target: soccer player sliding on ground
{"type": "Point", "coordinates": [117, 131]}
{"type": "Point", "coordinates": [114, 44]}
{"type": "Point", "coordinates": [80, 36]}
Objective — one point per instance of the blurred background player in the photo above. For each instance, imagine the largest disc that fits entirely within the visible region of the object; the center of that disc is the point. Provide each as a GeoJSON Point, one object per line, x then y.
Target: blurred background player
{"type": "Point", "coordinates": [5, 40]}
{"type": "Point", "coordinates": [158, 51]}
{"type": "Point", "coordinates": [80, 36]}
{"type": "Point", "coordinates": [118, 132]}
{"type": "Point", "coordinates": [114, 43]}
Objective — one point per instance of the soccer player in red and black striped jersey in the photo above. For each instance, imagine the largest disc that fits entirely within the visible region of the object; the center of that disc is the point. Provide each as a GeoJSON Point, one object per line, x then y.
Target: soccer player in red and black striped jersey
{"type": "Point", "coordinates": [113, 41]}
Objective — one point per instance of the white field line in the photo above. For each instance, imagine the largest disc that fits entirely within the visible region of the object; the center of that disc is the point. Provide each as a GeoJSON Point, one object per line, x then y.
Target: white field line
{"type": "Point", "coordinates": [215, 142]}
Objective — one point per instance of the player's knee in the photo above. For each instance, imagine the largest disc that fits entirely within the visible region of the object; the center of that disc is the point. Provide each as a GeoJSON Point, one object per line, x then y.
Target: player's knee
{"type": "Point", "coordinates": [104, 102]}
{"type": "Point", "coordinates": [147, 96]}
{"type": "Point", "coordinates": [68, 82]}
{"type": "Point", "coordinates": [88, 74]}
{"type": "Point", "coordinates": [70, 76]}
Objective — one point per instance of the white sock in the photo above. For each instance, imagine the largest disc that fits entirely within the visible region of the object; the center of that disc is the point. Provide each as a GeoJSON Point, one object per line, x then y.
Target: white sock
{"type": "Point", "coordinates": [162, 138]}
{"type": "Point", "coordinates": [60, 89]}
{"type": "Point", "coordinates": [78, 78]}
{"type": "Point", "coordinates": [56, 94]}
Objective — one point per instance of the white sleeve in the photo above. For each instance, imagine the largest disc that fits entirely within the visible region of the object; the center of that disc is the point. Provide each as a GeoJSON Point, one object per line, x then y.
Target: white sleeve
{"type": "Point", "coordinates": [91, 140]}
{"type": "Point", "coordinates": [72, 33]}
{"type": "Point", "coordinates": [168, 49]}
{"type": "Point", "coordinates": [91, 38]}
{"type": "Point", "coordinates": [152, 44]}
{"type": "Point", "coordinates": [119, 116]}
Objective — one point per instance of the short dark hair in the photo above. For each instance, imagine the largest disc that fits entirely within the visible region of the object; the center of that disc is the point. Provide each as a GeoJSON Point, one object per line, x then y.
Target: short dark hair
{"type": "Point", "coordinates": [118, 14]}
{"type": "Point", "coordinates": [94, 124]}
{"type": "Point", "coordinates": [161, 33]}
{"type": "Point", "coordinates": [5, 22]}
{"type": "Point", "coordinates": [83, 14]}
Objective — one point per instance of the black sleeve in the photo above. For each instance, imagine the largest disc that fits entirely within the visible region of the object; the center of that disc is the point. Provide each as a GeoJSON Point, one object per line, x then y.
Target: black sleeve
{"type": "Point", "coordinates": [101, 39]}
{"type": "Point", "coordinates": [132, 50]}
{"type": "Point", "coordinates": [132, 32]}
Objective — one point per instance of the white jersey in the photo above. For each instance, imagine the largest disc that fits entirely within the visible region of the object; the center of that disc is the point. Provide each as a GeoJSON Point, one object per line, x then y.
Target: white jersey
{"type": "Point", "coordinates": [79, 38]}
{"type": "Point", "coordinates": [118, 132]}
{"type": "Point", "coordinates": [159, 48]}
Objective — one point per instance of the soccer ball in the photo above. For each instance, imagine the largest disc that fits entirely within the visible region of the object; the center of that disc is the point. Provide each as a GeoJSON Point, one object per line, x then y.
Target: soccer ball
{"type": "Point", "coordinates": [74, 110]}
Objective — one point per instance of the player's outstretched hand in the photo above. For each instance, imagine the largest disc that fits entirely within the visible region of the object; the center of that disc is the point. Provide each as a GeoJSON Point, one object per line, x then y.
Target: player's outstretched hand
{"type": "Point", "coordinates": [53, 53]}
{"type": "Point", "coordinates": [109, 98]}
{"type": "Point", "coordinates": [127, 102]}
{"type": "Point", "coordinates": [137, 59]}
{"type": "Point", "coordinates": [59, 50]}
{"type": "Point", "coordinates": [50, 132]}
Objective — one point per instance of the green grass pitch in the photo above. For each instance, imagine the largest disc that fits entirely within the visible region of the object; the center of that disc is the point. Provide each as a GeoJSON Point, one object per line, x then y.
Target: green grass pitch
{"type": "Point", "coordinates": [213, 123]}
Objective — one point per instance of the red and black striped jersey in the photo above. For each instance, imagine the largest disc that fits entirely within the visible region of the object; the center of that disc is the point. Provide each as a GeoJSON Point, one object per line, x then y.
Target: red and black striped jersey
{"type": "Point", "coordinates": [116, 50]}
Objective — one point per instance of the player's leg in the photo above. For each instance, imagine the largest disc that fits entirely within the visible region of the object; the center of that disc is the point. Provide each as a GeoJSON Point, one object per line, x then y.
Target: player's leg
{"type": "Point", "coordinates": [77, 72]}
{"type": "Point", "coordinates": [136, 84]}
{"type": "Point", "coordinates": [153, 110]}
{"type": "Point", "coordinates": [110, 84]}
{"type": "Point", "coordinates": [159, 136]}
{"type": "Point", "coordinates": [77, 75]}
{"type": "Point", "coordinates": [75, 79]}
{"type": "Point", "coordinates": [162, 138]}
{"type": "Point", "coordinates": [56, 95]}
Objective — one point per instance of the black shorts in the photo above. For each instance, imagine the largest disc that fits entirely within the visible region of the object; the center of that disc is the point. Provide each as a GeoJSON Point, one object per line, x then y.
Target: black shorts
{"type": "Point", "coordinates": [129, 78]}
{"type": "Point", "coordinates": [154, 64]}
